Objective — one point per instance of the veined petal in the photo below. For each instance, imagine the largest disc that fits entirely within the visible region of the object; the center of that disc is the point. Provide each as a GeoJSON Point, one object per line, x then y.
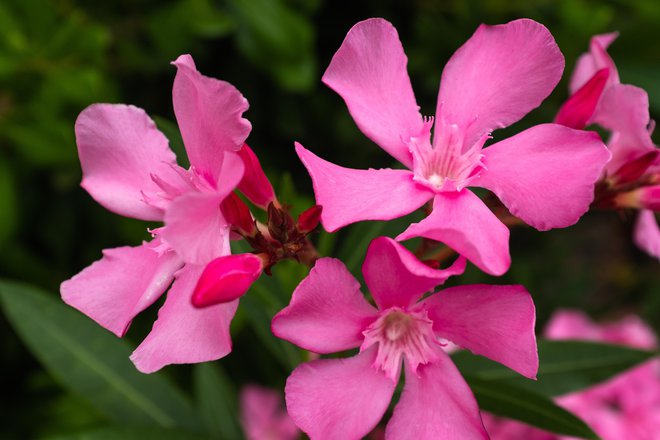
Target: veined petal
{"type": "Point", "coordinates": [127, 280]}
{"type": "Point", "coordinates": [348, 196]}
{"type": "Point", "coordinates": [338, 398]}
{"type": "Point", "coordinates": [209, 113]}
{"type": "Point", "coordinates": [396, 278]}
{"type": "Point", "coordinates": [120, 148]}
{"type": "Point", "coordinates": [492, 321]}
{"type": "Point", "coordinates": [328, 313]}
{"type": "Point", "coordinates": [464, 223]}
{"type": "Point", "coordinates": [546, 174]}
{"type": "Point", "coordinates": [369, 72]}
{"type": "Point", "coordinates": [596, 59]}
{"type": "Point", "coordinates": [498, 76]}
{"type": "Point", "coordinates": [183, 334]}
{"type": "Point", "coordinates": [647, 233]}
{"type": "Point", "coordinates": [436, 403]}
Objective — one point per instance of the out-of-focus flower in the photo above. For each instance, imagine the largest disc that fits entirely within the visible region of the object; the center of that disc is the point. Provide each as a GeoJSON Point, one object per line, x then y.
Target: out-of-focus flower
{"type": "Point", "coordinates": [346, 398]}
{"type": "Point", "coordinates": [263, 416]}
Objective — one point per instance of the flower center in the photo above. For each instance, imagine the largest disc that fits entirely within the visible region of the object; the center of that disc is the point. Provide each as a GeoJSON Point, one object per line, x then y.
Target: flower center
{"type": "Point", "coordinates": [398, 333]}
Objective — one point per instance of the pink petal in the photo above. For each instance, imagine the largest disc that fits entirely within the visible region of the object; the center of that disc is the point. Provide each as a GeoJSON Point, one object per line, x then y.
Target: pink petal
{"type": "Point", "coordinates": [369, 72]}
{"type": "Point", "coordinates": [596, 59]}
{"type": "Point", "coordinates": [183, 334]}
{"type": "Point", "coordinates": [546, 174]}
{"type": "Point", "coordinates": [498, 76]}
{"type": "Point", "coordinates": [263, 416]}
{"type": "Point", "coordinates": [338, 398]}
{"type": "Point", "coordinates": [120, 148]}
{"type": "Point", "coordinates": [464, 223]}
{"type": "Point", "coordinates": [492, 321]}
{"type": "Point", "coordinates": [578, 110]}
{"type": "Point", "coordinates": [226, 279]}
{"type": "Point", "coordinates": [396, 277]}
{"type": "Point", "coordinates": [328, 313]}
{"type": "Point", "coordinates": [209, 113]}
{"type": "Point", "coordinates": [571, 324]}
{"type": "Point", "coordinates": [348, 196]}
{"type": "Point", "coordinates": [254, 184]}
{"type": "Point", "coordinates": [127, 280]}
{"type": "Point", "coordinates": [647, 233]}
{"type": "Point", "coordinates": [436, 403]}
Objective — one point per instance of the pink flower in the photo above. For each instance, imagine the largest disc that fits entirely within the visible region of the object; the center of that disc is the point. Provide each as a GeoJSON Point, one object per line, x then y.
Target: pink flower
{"type": "Point", "coordinates": [263, 416]}
{"type": "Point", "coordinates": [128, 168]}
{"type": "Point", "coordinates": [346, 398]}
{"type": "Point", "coordinates": [544, 175]}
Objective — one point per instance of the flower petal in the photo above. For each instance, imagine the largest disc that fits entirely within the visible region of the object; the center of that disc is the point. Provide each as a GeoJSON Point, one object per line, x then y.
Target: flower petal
{"type": "Point", "coordinates": [338, 398]}
{"type": "Point", "coordinates": [396, 277]}
{"type": "Point", "coordinates": [464, 223]}
{"type": "Point", "coordinates": [127, 280]}
{"type": "Point", "coordinates": [226, 279]}
{"type": "Point", "coordinates": [327, 312]}
{"type": "Point", "coordinates": [209, 113]}
{"type": "Point", "coordinates": [263, 415]}
{"type": "Point", "coordinates": [120, 148]}
{"type": "Point", "coordinates": [436, 403]}
{"type": "Point", "coordinates": [596, 59]}
{"type": "Point", "coordinates": [183, 334]}
{"type": "Point", "coordinates": [492, 321]}
{"type": "Point", "coordinates": [369, 72]}
{"type": "Point", "coordinates": [546, 174]}
{"type": "Point", "coordinates": [348, 196]}
{"type": "Point", "coordinates": [498, 76]}
{"type": "Point", "coordinates": [647, 233]}
{"type": "Point", "coordinates": [579, 108]}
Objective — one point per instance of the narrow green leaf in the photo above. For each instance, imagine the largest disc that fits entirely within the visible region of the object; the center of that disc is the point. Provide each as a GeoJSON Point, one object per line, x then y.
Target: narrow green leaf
{"type": "Point", "coordinates": [517, 403]}
{"type": "Point", "coordinates": [216, 399]}
{"type": "Point", "coordinates": [126, 433]}
{"type": "Point", "coordinates": [92, 362]}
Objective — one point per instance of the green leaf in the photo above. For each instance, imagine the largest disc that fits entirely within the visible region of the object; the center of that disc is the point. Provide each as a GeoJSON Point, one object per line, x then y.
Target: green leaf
{"type": "Point", "coordinates": [126, 433]}
{"type": "Point", "coordinates": [216, 398]}
{"type": "Point", "coordinates": [526, 406]}
{"type": "Point", "coordinates": [92, 362]}
{"type": "Point", "coordinates": [564, 366]}
{"type": "Point", "coordinates": [8, 205]}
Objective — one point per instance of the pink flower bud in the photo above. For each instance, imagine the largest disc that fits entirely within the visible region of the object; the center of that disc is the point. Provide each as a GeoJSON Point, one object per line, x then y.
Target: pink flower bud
{"type": "Point", "coordinates": [646, 197]}
{"type": "Point", "coordinates": [634, 169]}
{"type": "Point", "coordinates": [237, 213]}
{"type": "Point", "coordinates": [309, 219]}
{"type": "Point", "coordinates": [226, 278]}
{"type": "Point", "coordinates": [579, 108]}
{"type": "Point", "coordinates": [255, 185]}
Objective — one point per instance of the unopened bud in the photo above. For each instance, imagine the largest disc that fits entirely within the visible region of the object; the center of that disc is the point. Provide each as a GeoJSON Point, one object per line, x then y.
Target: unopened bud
{"type": "Point", "coordinates": [646, 197]}
{"type": "Point", "coordinates": [577, 111]}
{"type": "Point", "coordinates": [280, 223]}
{"type": "Point", "coordinates": [255, 185]}
{"type": "Point", "coordinates": [226, 279]}
{"type": "Point", "coordinates": [634, 169]}
{"type": "Point", "coordinates": [237, 213]}
{"type": "Point", "coordinates": [309, 219]}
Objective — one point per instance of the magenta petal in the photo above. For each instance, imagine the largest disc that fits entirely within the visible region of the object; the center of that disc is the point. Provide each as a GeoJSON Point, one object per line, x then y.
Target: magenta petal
{"type": "Point", "coordinates": [492, 321]}
{"type": "Point", "coordinates": [226, 279]}
{"type": "Point", "coordinates": [348, 196]}
{"type": "Point", "coordinates": [209, 113]}
{"type": "Point", "coordinates": [464, 223]}
{"type": "Point", "coordinates": [546, 174]}
{"type": "Point", "coordinates": [596, 59]}
{"type": "Point", "coordinates": [369, 72]}
{"type": "Point", "coordinates": [436, 403]}
{"type": "Point", "coordinates": [338, 398]}
{"type": "Point", "coordinates": [647, 233]}
{"type": "Point", "coordinates": [396, 277]}
{"type": "Point", "coordinates": [578, 110]}
{"type": "Point", "coordinates": [127, 280]}
{"type": "Point", "coordinates": [183, 334]}
{"type": "Point", "coordinates": [120, 148]}
{"type": "Point", "coordinates": [498, 76]}
{"type": "Point", "coordinates": [328, 313]}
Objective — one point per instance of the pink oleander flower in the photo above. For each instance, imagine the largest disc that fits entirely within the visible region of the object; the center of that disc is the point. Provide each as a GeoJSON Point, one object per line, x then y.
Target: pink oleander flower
{"type": "Point", "coordinates": [263, 416]}
{"type": "Point", "coordinates": [544, 175]}
{"type": "Point", "coordinates": [627, 407]}
{"type": "Point", "coordinates": [345, 398]}
{"type": "Point", "coordinates": [129, 168]}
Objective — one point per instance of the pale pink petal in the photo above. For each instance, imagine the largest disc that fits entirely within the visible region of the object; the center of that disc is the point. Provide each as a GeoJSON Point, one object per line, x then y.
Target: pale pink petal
{"type": "Point", "coordinates": [338, 399]}
{"type": "Point", "coordinates": [348, 196]}
{"type": "Point", "coordinates": [596, 59]}
{"type": "Point", "coordinates": [571, 324]}
{"type": "Point", "coordinates": [396, 277]}
{"type": "Point", "coordinates": [546, 174]}
{"type": "Point", "coordinates": [209, 113]}
{"type": "Point", "coordinates": [263, 416]}
{"type": "Point", "coordinates": [578, 110]}
{"type": "Point", "coordinates": [647, 233]}
{"type": "Point", "coordinates": [464, 223]}
{"type": "Point", "coordinates": [226, 279]}
{"type": "Point", "coordinates": [127, 280]}
{"type": "Point", "coordinates": [183, 334]}
{"type": "Point", "coordinates": [328, 313]}
{"type": "Point", "coordinates": [436, 403]}
{"type": "Point", "coordinates": [369, 72]}
{"type": "Point", "coordinates": [492, 321]}
{"type": "Point", "coordinates": [498, 76]}
{"type": "Point", "coordinates": [120, 148]}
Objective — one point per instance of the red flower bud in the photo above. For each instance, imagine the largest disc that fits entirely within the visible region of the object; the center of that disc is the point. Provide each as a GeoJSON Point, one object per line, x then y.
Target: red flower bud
{"type": "Point", "coordinates": [579, 108]}
{"type": "Point", "coordinates": [634, 169]}
{"type": "Point", "coordinates": [226, 279]}
{"type": "Point", "coordinates": [309, 219]}
{"type": "Point", "coordinates": [646, 197]}
{"type": "Point", "coordinates": [237, 213]}
{"type": "Point", "coordinates": [255, 185]}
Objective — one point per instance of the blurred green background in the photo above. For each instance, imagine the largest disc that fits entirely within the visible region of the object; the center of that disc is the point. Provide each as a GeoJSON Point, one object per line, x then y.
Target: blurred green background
{"type": "Point", "coordinates": [57, 57]}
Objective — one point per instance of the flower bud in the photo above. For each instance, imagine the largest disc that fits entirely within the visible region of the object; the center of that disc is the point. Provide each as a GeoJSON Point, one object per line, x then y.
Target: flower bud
{"type": "Point", "coordinates": [577, 111]}
{"type": "Point", "coordinates": [226, 279]}
{"type": "Point", "coordinates": [646, 197]}
{"type": "Point", "coordinates": [255, 185]}
{"type": "Point", "coordinates": [309, 219]}
{"type": "Point", "coordinates": [237, 213]}
{"type": "Point", "coordinates": [634, 169]}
